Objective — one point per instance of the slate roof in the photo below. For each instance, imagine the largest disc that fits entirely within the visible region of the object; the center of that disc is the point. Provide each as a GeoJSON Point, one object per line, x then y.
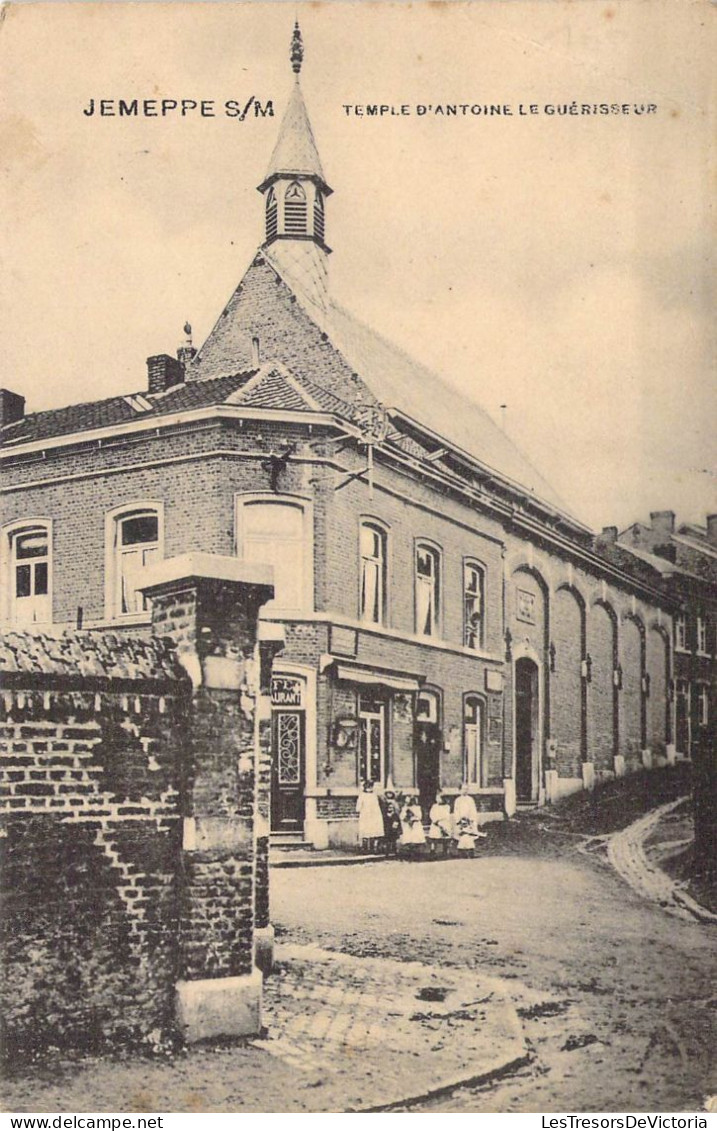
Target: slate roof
{"type": "Point", "coordinates": [118, 410]}
{"type": "Point", "coordinates": [385, 373]}
{"type": "Point", "coordinates": [295, 150]}
{"type": "Point", "coordinates": [652, 572]}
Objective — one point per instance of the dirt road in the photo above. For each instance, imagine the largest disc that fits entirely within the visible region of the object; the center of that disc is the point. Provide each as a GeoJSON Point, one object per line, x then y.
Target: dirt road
{"type": "Point", "coordinates": [616, 997]}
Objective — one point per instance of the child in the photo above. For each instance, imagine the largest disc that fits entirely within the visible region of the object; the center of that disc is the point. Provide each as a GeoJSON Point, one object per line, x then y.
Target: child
{"type": "Point", "coordinates": [391, 823]}
{"type": "Point", "coordinates": [465, 821]}
{"type": "Point", "coordinates": [440, 830]}
{"type": "Point", "coordinates": [370, 818]}
{"type": "Point", "coordinates": [412, 835]}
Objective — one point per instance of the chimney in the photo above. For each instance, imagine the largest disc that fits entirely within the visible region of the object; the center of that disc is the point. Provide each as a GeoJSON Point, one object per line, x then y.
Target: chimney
{"type": "Point", "coordinates": [163, 372]}
{"type": "Point", "coordinates": [712, 529]}
{"type": "Point", "coordinates": [186, 352]}
{"type": "Point", "coordinates": [663, 522]}
{"type": "Point", "coordinates": [12, 407]}
{"type": "Point", "coordinates": [608, 534]}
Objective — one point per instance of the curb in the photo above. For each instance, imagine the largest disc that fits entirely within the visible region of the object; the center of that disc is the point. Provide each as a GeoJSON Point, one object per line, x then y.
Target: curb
{"type": "Point", "coordinates": [324, 862]}
{"type": "Point", "coordinates": [470, 1082]}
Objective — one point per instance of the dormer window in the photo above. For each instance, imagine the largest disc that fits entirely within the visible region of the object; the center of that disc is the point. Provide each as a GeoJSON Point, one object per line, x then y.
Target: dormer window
{"type": "Point", "coordinates": [271, 215]}
{"type": "Point", "coordinates": [295, 212]}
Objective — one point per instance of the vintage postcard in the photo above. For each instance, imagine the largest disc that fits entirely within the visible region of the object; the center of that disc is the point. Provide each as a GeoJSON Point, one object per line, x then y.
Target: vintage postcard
{"type": "Point", "coordinates": [359, 558]}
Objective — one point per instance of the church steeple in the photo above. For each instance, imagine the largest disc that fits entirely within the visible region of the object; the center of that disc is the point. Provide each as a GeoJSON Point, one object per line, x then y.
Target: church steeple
{"type": "Point", "coordinates": [294, 188]}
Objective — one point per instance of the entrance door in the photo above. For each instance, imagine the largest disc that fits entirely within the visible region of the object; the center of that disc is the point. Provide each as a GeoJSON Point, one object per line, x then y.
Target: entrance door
{"type": "Point", "coordinates": [427, 745]}
{"type": "Point", "coordinates": [526, 730]}
{"type": "Point", "coordinates": [288, 761]}
{"type": "Point", "coordinates": [287, 786]}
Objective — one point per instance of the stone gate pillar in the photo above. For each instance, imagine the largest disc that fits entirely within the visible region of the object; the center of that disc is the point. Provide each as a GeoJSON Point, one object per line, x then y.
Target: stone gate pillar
{"type": "Point", "coordinates": [208, 607]}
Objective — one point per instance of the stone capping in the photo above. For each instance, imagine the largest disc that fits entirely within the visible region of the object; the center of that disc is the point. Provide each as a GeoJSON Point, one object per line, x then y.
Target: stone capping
{"type": "Point", "coordinates": [200, 565]}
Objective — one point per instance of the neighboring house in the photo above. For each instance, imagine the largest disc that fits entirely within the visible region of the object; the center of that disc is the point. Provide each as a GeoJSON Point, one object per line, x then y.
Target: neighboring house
{"type": "Point", "coordinates": [688, 554]}
{"type": "Point", "coordinates": [445, 617]}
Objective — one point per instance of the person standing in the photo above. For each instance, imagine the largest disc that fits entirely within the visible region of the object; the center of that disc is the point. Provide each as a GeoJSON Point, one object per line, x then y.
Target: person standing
{"type": "Point", "coordinates": [391, 822]}
{"type": "Point", "coordinates": [370, 818]}
{"type": "Point", "coordinates": [465, 822]}
{"type": "Point", "coordinates": [440, 830]}
{"type": "Point", "coordinates": [412, 834]}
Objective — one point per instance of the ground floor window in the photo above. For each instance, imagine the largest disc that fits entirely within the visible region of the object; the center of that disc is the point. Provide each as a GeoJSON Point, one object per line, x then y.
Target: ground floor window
{"type": "Point", "coordinates": [703, 705]}
{"type": "Point", "coordinates": [372, 738]}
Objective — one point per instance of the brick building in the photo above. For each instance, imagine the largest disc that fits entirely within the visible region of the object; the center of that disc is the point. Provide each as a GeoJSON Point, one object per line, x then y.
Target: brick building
{"type": "Point", "coordinates": [444, 617]}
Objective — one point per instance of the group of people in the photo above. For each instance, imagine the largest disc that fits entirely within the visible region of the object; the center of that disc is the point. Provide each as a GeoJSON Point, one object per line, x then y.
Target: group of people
{"type": "Point", "coordinates": [390, 821]}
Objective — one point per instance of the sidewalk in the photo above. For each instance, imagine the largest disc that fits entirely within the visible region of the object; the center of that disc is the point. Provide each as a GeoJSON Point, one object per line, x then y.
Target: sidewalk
{"type": "Point", "coordinates": [375, 1032]}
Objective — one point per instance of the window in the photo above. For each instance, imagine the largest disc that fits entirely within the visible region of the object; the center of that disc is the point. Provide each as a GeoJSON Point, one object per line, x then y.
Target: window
{"type": "Point", "coordinates": [278, 533]}
{"type": "Point", "coordinates": [271, 215]}
{"type": "Point", "coordinates": [703, 705]}
{"type": "Point", "coordinates": [472, 605]}
{"type": "Point", "coordinates": [428, 590]}
{"type": "Point", "coordinates": [681, 632]}
{"type": "Point", "coordinates": [373, 573]}
{"type": "Point", "coordinates": [427, 707]}
{"type": "Point", "coordinates": [295, 210]}
{"type": "Point", "coordinates": [319, 216]}
{"type": "Point", "coordinates": [702, 635]}
{"type": "Point", "coordinates": [136, 545]}
{"type": "Point", "coordinates": [30, 600]}
{"type": "Point", "coordinates": [473, 740]}
{"type": "Point", "coordinates": [372, 738]}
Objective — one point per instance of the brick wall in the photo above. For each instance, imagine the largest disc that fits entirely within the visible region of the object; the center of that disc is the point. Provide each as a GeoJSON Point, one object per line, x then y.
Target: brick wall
{"type": "Point", "coordinates": [130, 788]}
{"type": "Point", "coordinates": [199, 515]}
{"type": "Point", "coordinates": [90, 752]}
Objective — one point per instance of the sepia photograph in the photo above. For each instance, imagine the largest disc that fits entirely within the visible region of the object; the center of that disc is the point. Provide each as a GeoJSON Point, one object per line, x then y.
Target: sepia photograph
{"type": "Point", "coordinates": [358, 560]}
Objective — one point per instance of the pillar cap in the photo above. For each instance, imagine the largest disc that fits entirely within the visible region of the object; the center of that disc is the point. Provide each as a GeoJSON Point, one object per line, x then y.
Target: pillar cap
{"type": "Point", "coordinates": [201, 566]}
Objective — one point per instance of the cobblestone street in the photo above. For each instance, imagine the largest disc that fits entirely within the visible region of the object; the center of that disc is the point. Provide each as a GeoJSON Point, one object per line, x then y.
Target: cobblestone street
{"type": "Point", "coordinates": [536, 977]}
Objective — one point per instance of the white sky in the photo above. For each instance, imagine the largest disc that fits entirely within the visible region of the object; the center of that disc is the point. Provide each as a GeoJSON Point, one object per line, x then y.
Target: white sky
{"type": "Point", "coordinates": [559, 265]}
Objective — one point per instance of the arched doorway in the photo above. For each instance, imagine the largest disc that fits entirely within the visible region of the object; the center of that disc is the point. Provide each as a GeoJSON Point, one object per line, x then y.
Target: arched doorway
{"type": "Point", "coordinates": [427, 745]}
{"type": "Point", "coordinates": [527, 730]}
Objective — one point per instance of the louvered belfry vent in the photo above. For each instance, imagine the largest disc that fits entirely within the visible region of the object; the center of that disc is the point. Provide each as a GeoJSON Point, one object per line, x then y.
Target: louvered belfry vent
{"type": "Point", "coordinates": [295, 211]}
{"type": "Point", "coordinates": [319, 217]}
{"type": "Point", "coordinates": [272, 216]}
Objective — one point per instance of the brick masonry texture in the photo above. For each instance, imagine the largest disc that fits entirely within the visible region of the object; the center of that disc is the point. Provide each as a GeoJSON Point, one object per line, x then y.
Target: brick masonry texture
{"type": "Point", "coordinates": [105, 749]}
{"type": "Point", "coordinates": [574, 610]}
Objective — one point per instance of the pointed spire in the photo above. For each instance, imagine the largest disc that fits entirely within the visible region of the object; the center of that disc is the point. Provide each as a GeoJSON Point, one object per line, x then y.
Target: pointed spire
{"type": "Point", "coordinates": [295, 152]}
{"type": "Point", "coordinates": [297, 49]}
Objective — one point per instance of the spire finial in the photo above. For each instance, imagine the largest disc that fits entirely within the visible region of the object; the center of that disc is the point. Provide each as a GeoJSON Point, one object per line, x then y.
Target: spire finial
{"type": "Point", "coordinates": [297, 49]}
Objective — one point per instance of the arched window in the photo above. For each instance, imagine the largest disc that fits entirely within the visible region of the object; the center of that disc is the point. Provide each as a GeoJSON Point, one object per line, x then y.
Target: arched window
{"type": "Point", "coordinates": [473, 604]}
{"type": "Point", "coordinates": [271, 215]}
{"type": "Point", "coordinates": [373, 573]}
{"type": "Point", "coordinates": [135, 539]}
{"type": "Point", "coordinates": [427, 590]}
{"type": "Point", "coordinates": [295, 213]}
{"type": "Point", "coordinates": [319, 216]}
{"type": "Point", "coordinates": [428, 708]}
{"type": "Point", "coordinates": [278, 532]}
{"type": "Point", "coordinates": [473, 770]}
{"type": "Point", "coordinates": [28, 553]}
